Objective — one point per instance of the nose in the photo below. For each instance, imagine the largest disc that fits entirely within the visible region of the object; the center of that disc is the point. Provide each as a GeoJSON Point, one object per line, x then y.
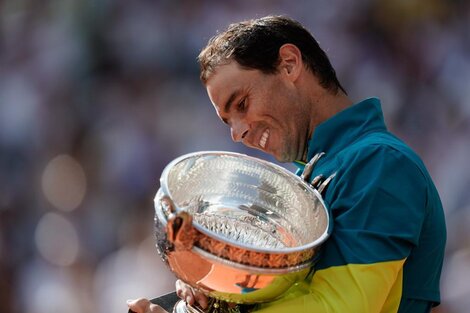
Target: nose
{"type": "Point", "coordinates": [239, 131]}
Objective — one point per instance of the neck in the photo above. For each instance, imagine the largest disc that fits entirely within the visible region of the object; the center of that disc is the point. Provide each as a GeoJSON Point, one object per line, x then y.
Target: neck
{"type": "Point", "coordinates": [322, 104]}
{"type": "Point", "coordinates": [326, 105]}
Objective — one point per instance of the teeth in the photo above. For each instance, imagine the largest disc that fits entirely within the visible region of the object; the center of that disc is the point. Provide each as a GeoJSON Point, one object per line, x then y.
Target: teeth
{"type": "Point", "coordinates": [264, 138]}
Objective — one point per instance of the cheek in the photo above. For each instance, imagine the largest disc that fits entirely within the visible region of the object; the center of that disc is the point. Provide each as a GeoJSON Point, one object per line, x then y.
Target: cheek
{"type": "Point", "coordinates": [283, 109]}
{"type": "Point", "coordinates": [273, 104]}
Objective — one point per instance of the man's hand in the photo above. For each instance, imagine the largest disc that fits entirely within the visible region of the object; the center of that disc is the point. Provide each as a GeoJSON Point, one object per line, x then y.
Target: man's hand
{"type": "Point", "coordinates": [190, 295]}
{"type": "Point", "coordinates": [144, 306]}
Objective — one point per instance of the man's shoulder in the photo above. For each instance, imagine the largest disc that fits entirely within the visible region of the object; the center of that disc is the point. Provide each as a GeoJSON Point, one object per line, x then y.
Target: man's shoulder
{"type": "Point", "coordinates": [382, 159]}
{"type": "Point", "coordinates": [379, 145]}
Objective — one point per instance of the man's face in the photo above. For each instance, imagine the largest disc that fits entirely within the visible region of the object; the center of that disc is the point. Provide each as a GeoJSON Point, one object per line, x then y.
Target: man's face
{"type": "Point", "coordinates": [264, 111]}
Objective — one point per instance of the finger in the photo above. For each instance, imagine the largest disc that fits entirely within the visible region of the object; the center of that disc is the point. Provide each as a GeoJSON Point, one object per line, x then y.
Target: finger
{"type": "Point", "coordinates": [179, 293]}
{"type": "Point", "coordinates": [179, 289]}
{"type": "Point", "coordinates": [201, 299]}
{"type": "Point", "coordinates": [139, 305]}
{"type": "Point", "coordinates": [189, 296]}
{"type": "Point", "coordinates": [144, 306]}
{"type": "Point", "coordinates": [185, 292]}
{"type": "Point", "coordinates": [154, 308]}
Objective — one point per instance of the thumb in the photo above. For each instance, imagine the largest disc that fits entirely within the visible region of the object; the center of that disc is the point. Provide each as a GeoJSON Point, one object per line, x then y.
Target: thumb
{"type": "Point", "coordinates": [144, 306]}
{"type": "Point", "coordinates": [138, 305]}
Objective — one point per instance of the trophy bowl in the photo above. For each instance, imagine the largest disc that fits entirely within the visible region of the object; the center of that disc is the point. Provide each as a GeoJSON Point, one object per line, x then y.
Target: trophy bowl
{"type": "Point", "coordinates": [237, 228]}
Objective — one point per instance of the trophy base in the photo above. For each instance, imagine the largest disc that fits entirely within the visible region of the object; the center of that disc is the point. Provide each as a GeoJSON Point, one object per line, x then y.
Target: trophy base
{"type": "Point", "coordinates": [183, 307]}
{"type": "Point", "coordinates": [215, 306]}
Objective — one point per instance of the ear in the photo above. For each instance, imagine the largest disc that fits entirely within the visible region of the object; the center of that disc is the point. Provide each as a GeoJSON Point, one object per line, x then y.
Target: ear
{"type": "Point", "coordinates": [291, 63]}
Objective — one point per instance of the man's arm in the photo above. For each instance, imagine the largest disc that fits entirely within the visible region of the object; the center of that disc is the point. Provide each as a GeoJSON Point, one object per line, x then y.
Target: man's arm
{"type": "Point", "coordinates": [361, 288]}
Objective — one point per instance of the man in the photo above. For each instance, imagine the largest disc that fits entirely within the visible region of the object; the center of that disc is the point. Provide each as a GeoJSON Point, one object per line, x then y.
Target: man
{"type": "Point", "coordinates": [273, 85]}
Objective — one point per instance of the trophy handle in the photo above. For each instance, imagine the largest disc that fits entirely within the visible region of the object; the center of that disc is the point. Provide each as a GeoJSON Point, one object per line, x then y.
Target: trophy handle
{"type": "Point", "coordinates": [180, 231]}
{"type": "Point", "coordinates": [318, 182]}
{"type": "Point", "coordinates": [325, 183]}
{"type": "Point", "coordinates": [214, 306]}
{"type": "Point", "coordinates": [308, 169]}
{"type": "Point", "coordinates": [168, 207]}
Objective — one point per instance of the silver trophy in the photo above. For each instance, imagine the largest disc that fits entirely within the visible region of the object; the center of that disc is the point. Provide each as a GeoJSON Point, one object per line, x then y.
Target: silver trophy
{"type": "Point", "coordinates": [239, 229]}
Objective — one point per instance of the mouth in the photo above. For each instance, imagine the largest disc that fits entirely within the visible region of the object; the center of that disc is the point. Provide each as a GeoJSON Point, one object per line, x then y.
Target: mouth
{"type": "Point", "coordinates": [264, 138]}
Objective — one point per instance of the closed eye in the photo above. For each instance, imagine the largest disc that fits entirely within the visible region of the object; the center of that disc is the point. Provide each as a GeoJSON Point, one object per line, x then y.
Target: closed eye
{"type": "Point", "coordinates": [241, 105]}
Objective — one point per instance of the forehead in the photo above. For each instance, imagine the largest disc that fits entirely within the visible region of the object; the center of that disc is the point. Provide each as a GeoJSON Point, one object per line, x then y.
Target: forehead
{"type": "Point", "coordinates": [226, 80]}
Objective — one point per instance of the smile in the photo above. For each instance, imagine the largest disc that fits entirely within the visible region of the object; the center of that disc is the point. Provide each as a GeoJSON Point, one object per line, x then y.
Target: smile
{"type": "Point", "coordinates": [264, 139]}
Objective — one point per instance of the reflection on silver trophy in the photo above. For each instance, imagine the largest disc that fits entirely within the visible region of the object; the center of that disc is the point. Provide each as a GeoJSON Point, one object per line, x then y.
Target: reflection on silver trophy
{"type": "Point", "coordinates": [239, 229]}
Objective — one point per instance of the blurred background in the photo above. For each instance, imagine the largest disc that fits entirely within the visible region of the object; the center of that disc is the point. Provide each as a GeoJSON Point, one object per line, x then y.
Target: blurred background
{"type": "Point", "coordinates": [96, 97]}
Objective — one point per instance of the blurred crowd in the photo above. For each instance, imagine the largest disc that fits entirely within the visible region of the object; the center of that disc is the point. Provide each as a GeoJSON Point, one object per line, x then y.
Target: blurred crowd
{"type": "Point", "coordinates": [97, 96]}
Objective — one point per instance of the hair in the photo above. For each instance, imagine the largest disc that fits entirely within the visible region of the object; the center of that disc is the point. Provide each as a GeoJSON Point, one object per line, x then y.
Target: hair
{"type": "Point", "coordinates": [254, 44]}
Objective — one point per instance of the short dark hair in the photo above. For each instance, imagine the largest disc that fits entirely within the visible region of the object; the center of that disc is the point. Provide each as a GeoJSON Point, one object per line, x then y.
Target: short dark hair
{"type": "Point", "coordinates": [255, 44]}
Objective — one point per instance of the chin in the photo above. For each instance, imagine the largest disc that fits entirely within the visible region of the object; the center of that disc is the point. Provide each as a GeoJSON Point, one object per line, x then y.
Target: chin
{"type": "Point", "coordinates": [283, 158]}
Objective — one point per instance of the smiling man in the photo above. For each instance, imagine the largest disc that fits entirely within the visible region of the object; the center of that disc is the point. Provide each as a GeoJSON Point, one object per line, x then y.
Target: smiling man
{"type": "Point", "coordinates": [272, 84]}
{"type": "Point", "coordinates": [273, 113]}
{"type": "Point", "coordinates": [262, 86]}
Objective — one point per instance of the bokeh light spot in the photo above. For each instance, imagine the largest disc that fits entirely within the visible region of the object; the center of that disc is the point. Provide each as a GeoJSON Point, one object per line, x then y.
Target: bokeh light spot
{"type": "Point", "coordinates": [56, 239]}
{"type": "Point", "coordinates": [64, 183]}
